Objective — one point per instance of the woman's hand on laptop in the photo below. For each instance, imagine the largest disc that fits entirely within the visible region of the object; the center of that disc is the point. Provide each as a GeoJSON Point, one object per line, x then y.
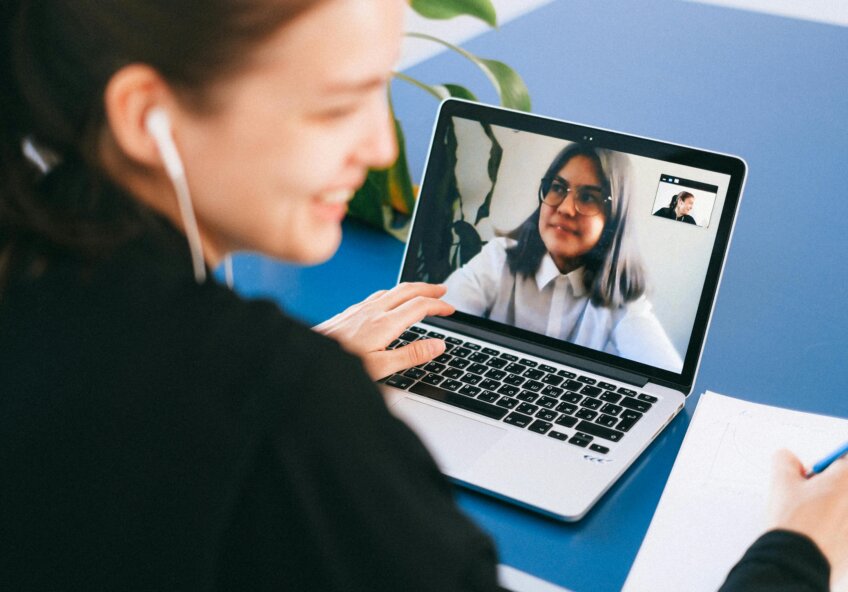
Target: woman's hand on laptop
{"type": "Point", "coordinates": [367, 328]}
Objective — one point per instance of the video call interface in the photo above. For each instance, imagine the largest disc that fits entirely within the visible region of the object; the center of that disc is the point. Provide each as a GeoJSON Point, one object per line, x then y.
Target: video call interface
{"type": "Point", "coordinates": [504, 219]}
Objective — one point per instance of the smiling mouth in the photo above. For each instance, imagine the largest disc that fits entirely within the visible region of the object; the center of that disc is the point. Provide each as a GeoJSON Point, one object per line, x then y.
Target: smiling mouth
{"type": "Point", "coordinates": [339, 196]}
{"type": "Point", "coordinates": [564, 229]}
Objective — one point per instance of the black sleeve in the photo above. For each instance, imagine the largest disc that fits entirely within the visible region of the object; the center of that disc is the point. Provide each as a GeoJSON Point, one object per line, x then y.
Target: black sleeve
{"type": "Point", "coordinates": [780, 561]}
{"type": "Point", "coordinates": [345, 497]}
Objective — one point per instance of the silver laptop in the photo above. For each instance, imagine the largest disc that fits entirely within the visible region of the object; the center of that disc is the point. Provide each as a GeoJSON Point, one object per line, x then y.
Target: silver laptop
{"type": "Point", "coordinates": [583, 264]}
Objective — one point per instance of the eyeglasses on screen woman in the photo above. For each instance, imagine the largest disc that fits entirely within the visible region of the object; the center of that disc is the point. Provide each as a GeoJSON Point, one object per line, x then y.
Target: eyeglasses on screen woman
{"type": "Point", "coordinates": [588, 200]}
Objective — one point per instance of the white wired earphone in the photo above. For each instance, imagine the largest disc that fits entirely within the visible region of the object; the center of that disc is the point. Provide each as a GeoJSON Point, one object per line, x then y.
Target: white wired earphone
{"type": "Point", "coordinates": [159, 126]}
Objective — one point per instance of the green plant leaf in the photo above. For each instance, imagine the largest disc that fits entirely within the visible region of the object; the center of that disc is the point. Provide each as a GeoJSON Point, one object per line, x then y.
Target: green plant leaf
{"type": "Point", "coordinates": [460, 92]}
{"type": "Point", "coordinates": [511, 88]}
{"type": "Point", "coordinates": [447, 9]}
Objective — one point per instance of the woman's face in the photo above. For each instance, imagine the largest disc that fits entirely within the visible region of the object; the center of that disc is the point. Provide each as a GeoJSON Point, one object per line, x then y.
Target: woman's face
{"type": "Point", "coordinates": [684, 206]}
{"type": "Point", "coordinates": [568, 235]}
{"type": "Point", "coordinates": [273, 167]}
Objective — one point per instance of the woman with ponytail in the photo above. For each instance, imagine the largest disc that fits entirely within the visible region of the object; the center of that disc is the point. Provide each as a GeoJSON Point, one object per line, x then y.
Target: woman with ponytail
{"type": "Point", "coordinates": [157, 431]}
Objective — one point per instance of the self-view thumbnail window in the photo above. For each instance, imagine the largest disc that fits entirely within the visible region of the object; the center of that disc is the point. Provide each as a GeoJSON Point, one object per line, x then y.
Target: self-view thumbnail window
{"type": "Point", "coordinates": [684, 200]}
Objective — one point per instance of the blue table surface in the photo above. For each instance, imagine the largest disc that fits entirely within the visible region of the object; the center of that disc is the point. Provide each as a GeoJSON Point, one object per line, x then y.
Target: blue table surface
{"type": "Point", "coordinates": [770, 89]}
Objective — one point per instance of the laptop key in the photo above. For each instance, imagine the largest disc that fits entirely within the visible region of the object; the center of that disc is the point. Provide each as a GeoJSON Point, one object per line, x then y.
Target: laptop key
{"type": "Point", "coordinates": [495, 374]}
{"type": "Point", "coordinates": [570, 397]}
{"type": "Point", "coordinates": [507, 402]}
{"type": "Point", "coordinates": [552, 379]}
{"type": "Point", "coordinates": [442, 358]}
{"type": "Point", "coordinates": [478, 368]}
{"type": "Point", "coordinates": [459, 363]}
{"type": "Point", "coordinates": [628, 421]}
{"type": "Point", "coordinates": [607, 420]}
{"type": "Point", "coordinates": [533, 385]}
{"type": "Point", "coordinates": [591, 403]}
{"type": "Point", "coordinates": [509, 390]}
{"type": "Point", "coordinates": [415, 373]}
{"type": "Point", "coordinates": [434, 334]}
{"type": "Point", "coordinates": [598, 448]}
{"type": "Point", "coordinates": [488, 396]}
{"type": "Point", "coordinates": [515, 368]}
{"type": "Point", "coordinates": [578, 441]}
{"type": "Point", "coordinates": [527, 408]}
{"type": "Point", "coordinates": [452, 373]}
{"type": "Point", "coordinates": [534, 374]}
{"type": "Point", "coordinates": [471, 346]}
{"type": "Point", "coordinates": [400, 381]}
{"type": "Point", "coordinates": [454, 341]}
{"type": "Point", "coordinates": [497, 362]}
{"type": "Point", "coordinates": [557, 435]}
{"type": "Point", "coordinates": [611, 409]}
{"type": "Point", "coordinates": [490, 352]}
{"type": "Point", "coordinates": [527, 396]}
{"type": "Point", "coordinates": [606, 385]}
{"type": "Point", "coordinates": [433, 379]}
{"type": "Point", "coordinates": [551, 391]}
{"type": "Point", "coordinates": [546, 414]}
{"type": "Point", "coordinates": [509, 357]}
{"type": "Point", "coordinates": [451, 385]}
{"type": "Point", "coordinates": [478, 357]}
{"type": "Point", "coordinates": [529, 363]}
{"type": "Point", "coordinates": [408, 336]}
{"type": "Point", "coordinates": [634, 404]}
{"type": "Point", "coordinates": [547, 368]}
{"type": "Point", "coordinates": [626, 391]}
{"type": "Point", "coordinates": [647, 398]}
{"type": "Point", "coordinates": [572, 385]}
{"type": "Point", "coordinates": [418, 330]}
{"type": "Point", "coordinates": [461, 351]}
{"type": "Point", "coordinates": [514, 380]}
{"type": "Point", "coordinates": [610, 396]}
{"type": "Point", "coordinates": [540, 426]}
{"type": "Point", "coordinates": [586, 380]}
{"type": "Point", "coordinates": [457, 400]}
{"type": "Point", "coordinates": [490, 384]}
{"type": "Point", "coordinates": [469, 391]}
{"type": "Point", "coordinates": [546, 402]}
{"type": "Point", "coordinates": [568, 408]}
{"type": "Point", "coordinates": [587, 414]}
{"type": "Point", "coordinates": [518, 419]}
{"type": "Point", "coordinates": [566, 374]}
{"type": "Point", "coordinates": [434, 367]}
{"type": "Point", "coordinates": [566, 420]}
{"type": "Point", "coordinates": [591, 391]}
{"type": "Point", "coordinates": [471, 378]}
{"type": "Point", "coordinates": [600, 431]}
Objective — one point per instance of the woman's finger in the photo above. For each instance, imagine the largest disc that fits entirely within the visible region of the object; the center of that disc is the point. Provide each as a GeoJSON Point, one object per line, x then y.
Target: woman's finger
{"type": "Point", "coordinates": [407, 291]}
{"type": "Point", "coordinates": [384, 363]}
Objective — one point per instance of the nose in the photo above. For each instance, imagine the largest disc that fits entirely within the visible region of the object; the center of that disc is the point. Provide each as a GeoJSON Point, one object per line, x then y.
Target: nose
{"type": "Point", "coordinates": [379, 147]}
{"type": "Point", "coordinates": [566, 208]}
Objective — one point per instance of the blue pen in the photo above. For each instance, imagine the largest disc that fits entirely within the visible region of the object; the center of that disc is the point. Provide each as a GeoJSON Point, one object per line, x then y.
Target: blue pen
{"type": "Point", "coordinates": [828, 460]}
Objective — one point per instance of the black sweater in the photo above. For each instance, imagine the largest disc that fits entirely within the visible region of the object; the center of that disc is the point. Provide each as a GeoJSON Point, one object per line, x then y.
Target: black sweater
{"type": "Point", "coordinates": [160, 435]}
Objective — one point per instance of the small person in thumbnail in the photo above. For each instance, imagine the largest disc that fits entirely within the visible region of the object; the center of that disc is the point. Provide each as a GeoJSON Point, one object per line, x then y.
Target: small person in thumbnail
{"type": "Point", "coordinates": [679, 208]}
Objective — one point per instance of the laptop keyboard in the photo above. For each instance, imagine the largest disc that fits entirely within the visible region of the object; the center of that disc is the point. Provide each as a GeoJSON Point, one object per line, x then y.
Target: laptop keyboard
{"type": "Point", "coordinates": [548, 401]}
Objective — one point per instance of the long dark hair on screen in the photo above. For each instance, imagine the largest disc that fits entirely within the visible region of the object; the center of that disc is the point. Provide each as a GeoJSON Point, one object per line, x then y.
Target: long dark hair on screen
{"type": "Point", "coordinates": [683, 195]}
{"type": "Point", "coordinates": [56, 58]}
{"type": "Point", "coordinates": [613, 270]}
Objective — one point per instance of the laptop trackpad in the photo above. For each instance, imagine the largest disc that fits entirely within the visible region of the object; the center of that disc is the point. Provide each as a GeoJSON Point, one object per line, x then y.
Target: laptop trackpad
{"type": "Point", "coordinates": [455, 441]}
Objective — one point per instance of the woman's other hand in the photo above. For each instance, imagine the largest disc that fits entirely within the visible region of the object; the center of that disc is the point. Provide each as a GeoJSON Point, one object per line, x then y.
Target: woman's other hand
{"type": "Point", "coordinates": [367, 328]}
{"type": "Point", "coordinates": [816, 507]}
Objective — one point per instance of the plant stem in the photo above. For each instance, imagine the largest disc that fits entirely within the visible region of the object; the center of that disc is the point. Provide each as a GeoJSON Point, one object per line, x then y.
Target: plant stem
{"type": "Point", "coordinates": [425, 87]}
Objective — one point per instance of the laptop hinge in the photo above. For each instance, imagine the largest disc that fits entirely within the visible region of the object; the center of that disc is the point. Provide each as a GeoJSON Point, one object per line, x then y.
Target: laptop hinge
{"type": "Point", "coordinates": [541, 351]}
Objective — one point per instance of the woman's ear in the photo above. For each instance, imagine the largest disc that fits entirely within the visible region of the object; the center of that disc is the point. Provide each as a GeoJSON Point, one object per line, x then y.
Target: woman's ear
{"type": "Point", "coordinates": [131, 94]}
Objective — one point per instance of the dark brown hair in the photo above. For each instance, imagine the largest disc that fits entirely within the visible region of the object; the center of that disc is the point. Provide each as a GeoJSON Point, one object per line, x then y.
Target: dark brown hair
{"type": "Point", "coordinates": [56, 58]}
{"type": "Point", "coordinates": [613, 270]}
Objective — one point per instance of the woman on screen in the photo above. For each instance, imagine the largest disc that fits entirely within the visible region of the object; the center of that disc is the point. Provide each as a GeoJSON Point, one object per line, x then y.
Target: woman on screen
{"type": "Point", "coordinates": [679, 207]}
{"type": "Point", "coordinates": [571, 271]}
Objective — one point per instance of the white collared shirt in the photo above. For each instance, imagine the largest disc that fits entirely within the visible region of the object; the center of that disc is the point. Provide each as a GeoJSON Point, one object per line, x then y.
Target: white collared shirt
{"type": "Point", "coordinates": [557, 305]}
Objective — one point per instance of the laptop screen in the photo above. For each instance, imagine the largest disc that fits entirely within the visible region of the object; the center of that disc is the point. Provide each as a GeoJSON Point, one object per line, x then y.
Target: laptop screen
{"type": "Point", "coordinates": [601, 244]}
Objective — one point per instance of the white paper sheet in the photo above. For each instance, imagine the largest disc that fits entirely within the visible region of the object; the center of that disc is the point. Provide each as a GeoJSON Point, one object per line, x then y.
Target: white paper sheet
{"type": "Point", "coordinates": [713, 505]}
